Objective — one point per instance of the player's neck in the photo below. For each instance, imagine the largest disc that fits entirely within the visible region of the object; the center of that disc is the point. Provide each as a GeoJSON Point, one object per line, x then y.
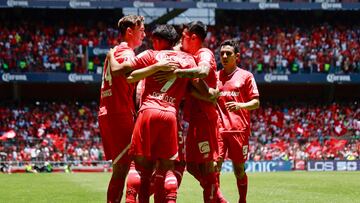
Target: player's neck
{"type": "Point", "coordinates": [130, 42]}
{"type": "Point", "coordinates": [229, 70]}
{"type": "Point", "coordinates": [195, 48]}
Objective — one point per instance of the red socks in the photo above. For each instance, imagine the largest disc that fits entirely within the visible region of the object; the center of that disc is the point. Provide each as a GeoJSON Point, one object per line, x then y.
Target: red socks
{"type": "Point", "coordinates": [242, 188]}
{"type": "Point", "coordinates": [170, 186]}
{"type": "Point", "coordinates": [211, 187]}
{"type": "Point", "coordinates": [132, 185]}
{"type": "Point", "coordinates": [220, 197]}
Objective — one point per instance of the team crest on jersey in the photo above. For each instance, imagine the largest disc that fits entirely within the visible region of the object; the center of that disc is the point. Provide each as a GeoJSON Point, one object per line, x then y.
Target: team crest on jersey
{"type": "Point", "coordinates": [245, 150]}
{"type": "Point", "coordinates": [204, 147]}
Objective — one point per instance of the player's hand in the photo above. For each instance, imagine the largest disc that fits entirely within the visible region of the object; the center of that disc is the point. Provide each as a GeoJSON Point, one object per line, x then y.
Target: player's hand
{"type": "Point", "coordinates": [162, 76]}
{"type": "Point", "coordinates": [214, 93]}
{"type": "Point", "coordinates": [232, 106]}
{"type": "Point", "coordinates": [166, 65]}
{"type": "Point", "coordinates": [111, 58]}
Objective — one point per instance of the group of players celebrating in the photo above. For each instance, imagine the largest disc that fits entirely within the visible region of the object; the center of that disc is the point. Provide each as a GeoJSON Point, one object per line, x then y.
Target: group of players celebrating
{"type": "Point", "coordinates": [181, 95]}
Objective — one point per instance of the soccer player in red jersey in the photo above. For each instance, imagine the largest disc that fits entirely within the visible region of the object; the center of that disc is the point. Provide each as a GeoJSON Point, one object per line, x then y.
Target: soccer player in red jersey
{"type": "Point", "coordinates": [117, 111]}
{"type": "Point", "coordinates": [201, 143]}
{"type": "Point", "coordinates": [156, 131]}
{"type": "Point", "coordinates": [238, 96]}
{"type": "Point", "coordinates": [163, 38]}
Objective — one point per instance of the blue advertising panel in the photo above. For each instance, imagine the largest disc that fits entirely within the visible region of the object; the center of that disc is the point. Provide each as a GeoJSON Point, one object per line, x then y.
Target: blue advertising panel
{"type": "Point", "coordinates": [111, 4]}
{"type": "Point", "coordinates": [336, 165]}
{"type": "Point", "coordinates": [49, 78]}
{"type": "Point", "coordinates": [313, 78]}
{"type": "Point", "coordinates": [260, 166]}
{"type": "Point", "coordinates": [260, 78]}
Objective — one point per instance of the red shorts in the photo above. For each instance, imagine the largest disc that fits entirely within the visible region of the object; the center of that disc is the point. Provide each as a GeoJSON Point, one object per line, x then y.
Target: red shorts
{"type": "Point", "coordinates": [155, 135]}
{"type": "Point", "coordinates": [236, 144]}
{"type": "Point", "coordinates": [202, 140]}
{"type": "Point", "coordinates": [116, 131]}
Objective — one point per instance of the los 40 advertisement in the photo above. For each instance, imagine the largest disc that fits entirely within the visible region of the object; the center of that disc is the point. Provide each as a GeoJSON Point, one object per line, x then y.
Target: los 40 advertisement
{"type": "Point", "coordinates": [335, 165]}
{"type": "Point", "coordinates": [273, 166]}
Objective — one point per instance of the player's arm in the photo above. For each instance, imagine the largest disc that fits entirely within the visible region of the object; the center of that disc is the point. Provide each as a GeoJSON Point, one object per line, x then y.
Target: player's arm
{"type": "Point", "coordinates": [208, 97]}
{"type": "Point", "coordinates": [201, 71]}
{"type": "Point", "coordinates": [200, 87]}
{"type": "Point", "coordinates": [116, 67]}
{"type": "Point", "coordinates": [142, 73]}
{"type": "Point", "coordinates": [250, 105]}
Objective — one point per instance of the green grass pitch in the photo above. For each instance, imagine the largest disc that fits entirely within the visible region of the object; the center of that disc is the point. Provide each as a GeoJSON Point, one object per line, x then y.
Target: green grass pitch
{"type": "Point", "coordinates": [279, 187]}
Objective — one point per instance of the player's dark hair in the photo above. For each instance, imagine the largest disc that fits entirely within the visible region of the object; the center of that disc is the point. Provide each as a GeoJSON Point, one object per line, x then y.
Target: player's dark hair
{"type": "Point", "coordinates": [166, 32]}
{"type": "Point", "coordinates": [232, 43]}
{"type": "Point", "coordinates": [129, 21]}
{"type": "Point", "coordinates": [198, 28]}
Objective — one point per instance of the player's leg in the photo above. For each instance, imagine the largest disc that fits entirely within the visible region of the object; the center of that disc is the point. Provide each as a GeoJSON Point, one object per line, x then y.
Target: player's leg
{"type": "Point", "coordinates": [210, 183]}
{"type": "Point", "coordinates": [241, 181]}
{"type": "Point", "coordinates": [117, 181]}
{"type": "Point", "coordinates": [132, 184]}
{"type": "Point", "coordinates": [140, 150]}
{"type": "Point", "coordinates": [238, 151]}
{"type": "Point", "coordinates": [145, 170]}
{"type": "Point", "coordinates": [165, 182]}
{"type": "Point", "coordinates": [165, 149]}
{"type": "Point", "coordinates": [222, 153]}
{"type": "Point", "coordinates": [116, 140]}
{"type": "Point", "coordinates": [179, 171]}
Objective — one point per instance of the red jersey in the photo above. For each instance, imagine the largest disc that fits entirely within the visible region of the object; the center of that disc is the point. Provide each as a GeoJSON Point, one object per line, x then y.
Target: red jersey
{"type": "Point", "coordinates": [196, 107]}
{"type": "Point", "coordinates": [158, 95]}
{"type": "Point", "coordinates": [116, 93]}
{"type": "Point", "coordinates": [239, 86]}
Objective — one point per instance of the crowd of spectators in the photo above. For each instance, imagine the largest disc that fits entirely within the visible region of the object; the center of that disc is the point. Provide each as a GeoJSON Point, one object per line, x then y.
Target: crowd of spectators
{"type": "Point", "coordinates": [36, 47]}
{"type": "Point", "coordinates": [303, 132]}
{"type": "Point", "coordinates": [52, 132]}
{"type": "Point", "coordinates": [47, 131]}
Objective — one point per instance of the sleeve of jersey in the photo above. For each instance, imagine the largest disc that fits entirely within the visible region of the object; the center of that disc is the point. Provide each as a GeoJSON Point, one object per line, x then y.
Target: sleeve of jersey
{"type": "Point", "coordinates": [205, 57]}
{"type": "Point", "coordinates": [142, 60]}
{"type": "Point", "coordinates": [123, 55]}
{"type": "Point", "coordinates": [253, 90]}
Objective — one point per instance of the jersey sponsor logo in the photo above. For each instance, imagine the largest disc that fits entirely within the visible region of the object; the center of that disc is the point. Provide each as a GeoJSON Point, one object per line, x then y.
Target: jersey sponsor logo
{"type": "Point", "coordinates": [106, 93]}
{"type": "Point", "coordinates": [204, 147]}
{"type": "Point", "coordinates": [170, 56]}
{"type": "Point", "coordinates": [229, 94]}
{"type": "Point", "coordinates": [338, 78]}
{"type": "Point", "coordinates": [8, 77]}
{"type": "Point", "coordinates": [163, 97]}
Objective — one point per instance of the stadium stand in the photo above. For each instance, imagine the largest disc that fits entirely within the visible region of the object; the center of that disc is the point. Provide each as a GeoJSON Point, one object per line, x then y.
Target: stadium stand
{"type": "Point", "coordinates": [321, 47]}
{"type": "Point", "coordinates": [68, 131]}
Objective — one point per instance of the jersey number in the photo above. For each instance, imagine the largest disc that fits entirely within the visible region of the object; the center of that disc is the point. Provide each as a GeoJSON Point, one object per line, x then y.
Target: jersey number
{"type": "Point", "coordinates": [107, 76]}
